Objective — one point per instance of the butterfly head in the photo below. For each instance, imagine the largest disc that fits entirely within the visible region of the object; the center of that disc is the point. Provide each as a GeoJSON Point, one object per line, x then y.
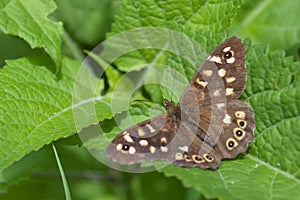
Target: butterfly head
{"type": "Point", "coordinates": [173, 109]}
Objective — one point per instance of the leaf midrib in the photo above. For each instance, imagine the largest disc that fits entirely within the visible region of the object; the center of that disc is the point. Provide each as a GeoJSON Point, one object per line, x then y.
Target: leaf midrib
{"type": "Point", "coordinates": [286, 174]}
{"type": "Point", "coordinates": [57, 115]}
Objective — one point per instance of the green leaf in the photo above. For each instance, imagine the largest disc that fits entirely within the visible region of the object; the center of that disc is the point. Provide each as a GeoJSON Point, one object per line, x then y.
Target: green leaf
{"type": "Point", "coordinates": [212, 16]}
{"type": "Point", "coordinates": [270, 168]}
{"type": "Point", "coordinates": [148, 48]}
{"type": "Point", "coordinates": [239, 179]}
{"type": "Point", "coordinates": [22, 170]}
{"type": "Point", "coordinates": [15, 47]}
{"type": "Point", "coordinates": [274, 21]}
{"type": "Point", "coordinates": [195, 15]}
{"type": "Point", "coordinates": [28, 20]}
{"type": "Point", "coordinates": [93, 17]}
{"type": "Point", "coordinates": [37, 109]}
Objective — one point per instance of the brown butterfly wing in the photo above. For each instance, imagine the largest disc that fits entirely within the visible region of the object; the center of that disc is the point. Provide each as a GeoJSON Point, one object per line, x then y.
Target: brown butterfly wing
{"type": "Point", "coordinates": [222, 76]}
{"type": "Point", "coordinates": [223, 135]}
{"type": "Point", "coordinates": [146, 141]}
{"type": "Point", "coordinates": [208, 102]}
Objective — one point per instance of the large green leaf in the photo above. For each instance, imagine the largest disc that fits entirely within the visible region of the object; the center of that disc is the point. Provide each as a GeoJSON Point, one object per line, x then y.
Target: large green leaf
{"type": "Point", "coordinates": [207, 16]}
{"type": "Point", "coordinates": [87, 23]}
{"type": "Point", "coordinates": [145, 49]}
{"type": "Point", "coordinates": [274, 21]}
{"type": "Point", "coordinates": [28, 20]}
{"type": "Point", "coordinates": [270, 168]}
{"type": "Point", "coordinates": [37, 109]}
{"type": "Point", "coordinates": [273, 92]}
{"type": "Point", "coordinates": [271, 164]}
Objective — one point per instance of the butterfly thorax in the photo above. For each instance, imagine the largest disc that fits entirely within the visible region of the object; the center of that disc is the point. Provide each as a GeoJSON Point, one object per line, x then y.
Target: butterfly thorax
{"type": "Point", "coordinates": [173, 109]}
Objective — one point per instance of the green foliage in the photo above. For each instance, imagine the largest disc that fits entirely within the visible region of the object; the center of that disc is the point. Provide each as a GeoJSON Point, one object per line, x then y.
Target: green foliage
{"type": "Point", "coordinates": [270, 168]}
{"type": "Point", "coordinates": [86, 24]}
{"type": "Point", "coordinates": [193, 15]}
{"type": "Point", "coordinates": [36, 108]}
{"type": "Point", "coordinates": [270, 20]}
{"type": "Point", "coordinates": [40, 104]}
{"type": "Point", "coordinates": [28, 20]}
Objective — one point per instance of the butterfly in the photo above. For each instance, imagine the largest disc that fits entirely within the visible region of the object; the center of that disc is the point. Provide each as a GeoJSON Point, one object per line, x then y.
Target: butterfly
{"type": "Point", "coordinates": [207, 125]}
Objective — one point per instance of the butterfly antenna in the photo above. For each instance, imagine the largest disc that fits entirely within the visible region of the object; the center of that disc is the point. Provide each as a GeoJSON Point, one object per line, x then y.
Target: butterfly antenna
{"type": "Point", "coordinates": [173, 85]}
{"type": "Point", "coordinates": [141, 100]}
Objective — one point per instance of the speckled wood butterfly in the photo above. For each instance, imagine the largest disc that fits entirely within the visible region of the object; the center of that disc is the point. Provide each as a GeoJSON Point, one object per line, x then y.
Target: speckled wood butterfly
{"type": "Point", "coordinates": [207, 125]}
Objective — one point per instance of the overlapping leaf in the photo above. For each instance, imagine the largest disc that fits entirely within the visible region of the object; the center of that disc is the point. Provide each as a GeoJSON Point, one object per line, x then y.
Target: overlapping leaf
{"type": "Point", "coordinates": [212, 16]}
{"type": "Point", "coordinates": [28, 20]}
{"type": "Point", "coordinates": [270, 20]}
{"type": "Point", "coordinates": [36, 108]}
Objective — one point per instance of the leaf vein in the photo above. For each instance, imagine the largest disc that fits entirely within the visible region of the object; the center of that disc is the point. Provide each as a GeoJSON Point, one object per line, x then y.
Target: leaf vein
{"type": "Point", "coordinates": [290, 176]}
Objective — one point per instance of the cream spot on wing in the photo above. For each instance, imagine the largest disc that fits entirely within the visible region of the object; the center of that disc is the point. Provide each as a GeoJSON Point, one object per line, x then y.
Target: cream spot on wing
{"type": "Point", "coordinates": [184, 148]}
{"type": "Point", "coordinates": [119, 147]}
{"type": "Point", "coordinates": [131, 150]}
{"type": "Point", "coordinates": [208, 158]}
{"type": "Point", "coordinates": [128, 138]}
{"type": "Point", "coordinates": [208, 72]}
{"type": "Point", "coordinates": [216, 93]}
{"type": "Point", "coordinates": [220, 105]}
{"type": "Point", "coordinates": [230, 60]}
{"type": "Point", "coordinates": [164, 130]}
{"type": "Point", "coordinates": [163, 140]}
{"type": "Point", "coordinates": [226, 49]}
{"type": "Point", "coordinates": [164, 149]}
{"type": "Point", "coordinates": [238, 133]}
{"type": "Point", "coordinates": [227, 119]}
{"type": "Point", "coordinates": [152, 149]}
{"type": "Point", "coordinates": [229, 91]}
{"type": "Point", "coordinates": [241, 123]}
{"type": "Point", "coordinates": [179, 156]}
{"type": "Point", "coordinates": [187, 158]}
{"type": "Point", "coordinates": [231, 143]}
{"type": "Point", "coordinates": [216, 59]}
{"type": "Point", "coordinates": [143, 143]}
{"type": "Point", "coordinates": [230, 79]}
{"type": "Point", "coordinates": [197, 159]}
{"type": "Point", "coordinates": [202, 83]}
{"type": "Point", "coordinates": [222, 72]}
{"type": "Point", "coordinates": [141, 132]}
{"type": "Point", "coordinates": [151, 129]}
{"type": "Point", "coordinates": [240, 114]}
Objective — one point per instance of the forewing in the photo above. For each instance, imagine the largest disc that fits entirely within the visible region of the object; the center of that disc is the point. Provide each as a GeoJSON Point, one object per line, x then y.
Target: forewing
{"type": "Point", "coordinates": [222, 76]}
